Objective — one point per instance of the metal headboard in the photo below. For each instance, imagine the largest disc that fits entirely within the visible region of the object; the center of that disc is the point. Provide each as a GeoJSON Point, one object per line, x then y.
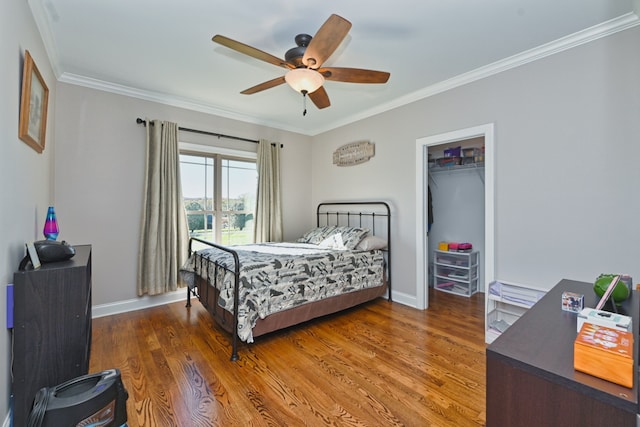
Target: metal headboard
{"type": "Point", "coordinates": [375, 215]}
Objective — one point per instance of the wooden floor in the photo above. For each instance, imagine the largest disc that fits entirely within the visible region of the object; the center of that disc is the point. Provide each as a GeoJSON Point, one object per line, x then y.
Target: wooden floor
{"type": "Point", "coordinates": [380, 364]}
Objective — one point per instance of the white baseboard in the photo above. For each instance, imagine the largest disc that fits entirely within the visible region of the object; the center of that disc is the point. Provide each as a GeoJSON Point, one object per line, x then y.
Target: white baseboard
{"type": "Point", "coordinates": [138, 303]}
{"type": "Point", "coordinates": [181, 295]}
{"type": "Point", "coordinates": [404, 299]}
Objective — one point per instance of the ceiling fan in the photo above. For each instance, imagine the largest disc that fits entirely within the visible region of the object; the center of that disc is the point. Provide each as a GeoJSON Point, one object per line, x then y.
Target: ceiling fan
{"type": "Point", "coordinates": [304, 62]}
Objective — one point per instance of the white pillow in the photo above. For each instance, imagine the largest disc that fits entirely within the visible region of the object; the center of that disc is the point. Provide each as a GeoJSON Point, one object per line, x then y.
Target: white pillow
{"type": "Point", "coordinates": [351, 236]}
{"type": "Point", "coordinates": [333, 242]}
{"type": "Point", "coordinates": [371, 243]}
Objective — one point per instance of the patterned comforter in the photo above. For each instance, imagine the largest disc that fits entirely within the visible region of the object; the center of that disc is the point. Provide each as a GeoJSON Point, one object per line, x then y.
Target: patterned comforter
{"type": "Point", "coordinates": [278, 276]}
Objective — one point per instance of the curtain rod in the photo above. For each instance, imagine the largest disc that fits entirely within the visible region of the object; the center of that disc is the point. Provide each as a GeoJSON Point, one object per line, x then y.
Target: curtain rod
{"type": "Point", "coordinates": [204, 132]}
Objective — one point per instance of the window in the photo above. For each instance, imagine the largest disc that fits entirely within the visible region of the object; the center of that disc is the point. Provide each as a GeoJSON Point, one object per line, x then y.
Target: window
{"type": "Point", "coordinates": [219, 193]}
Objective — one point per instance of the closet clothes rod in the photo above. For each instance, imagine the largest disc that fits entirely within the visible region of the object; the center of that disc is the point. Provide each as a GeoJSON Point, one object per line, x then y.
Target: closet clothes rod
{"type": "Point", "coordinates": [204, 132]}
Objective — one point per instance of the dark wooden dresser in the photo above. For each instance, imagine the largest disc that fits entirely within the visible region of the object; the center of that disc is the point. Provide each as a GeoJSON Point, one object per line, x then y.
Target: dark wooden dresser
{"type": "Point", "coordinates": [52, 328]}
{"type": "Point", "coordinates": [530, 376]}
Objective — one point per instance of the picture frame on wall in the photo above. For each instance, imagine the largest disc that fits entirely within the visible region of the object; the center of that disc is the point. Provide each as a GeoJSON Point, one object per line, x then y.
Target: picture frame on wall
{"type": "Point", "coordinates": [33, 105]}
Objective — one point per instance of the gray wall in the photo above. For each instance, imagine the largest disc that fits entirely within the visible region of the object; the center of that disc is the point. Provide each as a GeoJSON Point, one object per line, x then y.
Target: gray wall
{"type": "Point", "coordinates": [25, 176]}
{"type": "Point", "coordinates": [99, 177]}
{"type": "Point", "coordinates": [560, 122]}
{"type": "Point", "coordinates": [566, 182]}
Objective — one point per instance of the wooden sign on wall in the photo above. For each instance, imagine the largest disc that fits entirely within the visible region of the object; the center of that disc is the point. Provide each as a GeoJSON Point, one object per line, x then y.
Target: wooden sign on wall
{"type": "Point", "coordinates": [353, 153]}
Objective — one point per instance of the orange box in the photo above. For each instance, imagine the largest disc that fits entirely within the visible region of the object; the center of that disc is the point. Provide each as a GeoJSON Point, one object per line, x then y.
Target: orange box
{"type": "Point", "coordinates": [604, 353]}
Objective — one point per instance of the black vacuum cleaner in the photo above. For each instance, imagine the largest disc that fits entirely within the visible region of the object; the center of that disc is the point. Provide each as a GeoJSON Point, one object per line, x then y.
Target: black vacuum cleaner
{"type": "Point", "coordinates": [94, 400]}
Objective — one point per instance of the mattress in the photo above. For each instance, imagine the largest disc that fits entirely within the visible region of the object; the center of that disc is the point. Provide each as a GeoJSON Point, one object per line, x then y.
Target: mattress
{"type": "Point", "coordinates": [275, 277]}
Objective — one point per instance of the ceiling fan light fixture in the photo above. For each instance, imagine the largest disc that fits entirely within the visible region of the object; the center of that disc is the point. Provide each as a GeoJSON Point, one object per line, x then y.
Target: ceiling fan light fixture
{"type": "Point", "coordinates": [304, 80]}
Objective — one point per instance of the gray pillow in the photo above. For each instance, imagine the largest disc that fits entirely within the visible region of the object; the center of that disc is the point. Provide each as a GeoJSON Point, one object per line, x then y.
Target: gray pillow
{"type": "Point", "coordinates": [317, 235]}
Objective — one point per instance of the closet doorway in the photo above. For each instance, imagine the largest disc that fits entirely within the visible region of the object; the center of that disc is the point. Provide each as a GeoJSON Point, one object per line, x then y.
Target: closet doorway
{"type": "Point", "coordinates": [486, 133]}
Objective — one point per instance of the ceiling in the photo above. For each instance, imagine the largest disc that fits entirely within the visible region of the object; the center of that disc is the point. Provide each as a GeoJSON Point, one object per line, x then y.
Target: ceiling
{"type": "Point", "coordinates": [161, 50]}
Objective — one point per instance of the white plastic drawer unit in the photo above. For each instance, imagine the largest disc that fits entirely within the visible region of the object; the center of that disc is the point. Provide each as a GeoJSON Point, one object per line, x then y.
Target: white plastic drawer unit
{"type": "Point", "coordinates": [456, 272]}
{"type": "Point", "coordinates": [457, 259]}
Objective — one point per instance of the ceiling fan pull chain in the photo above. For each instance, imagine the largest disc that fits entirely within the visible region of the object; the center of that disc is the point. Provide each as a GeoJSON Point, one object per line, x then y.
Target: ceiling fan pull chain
{"type": "Point", "coordinates": [304, 103]}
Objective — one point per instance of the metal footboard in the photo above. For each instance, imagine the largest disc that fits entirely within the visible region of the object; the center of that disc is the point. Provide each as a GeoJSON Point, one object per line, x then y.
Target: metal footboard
{"type": "Point", "coordinates": [202, 260]}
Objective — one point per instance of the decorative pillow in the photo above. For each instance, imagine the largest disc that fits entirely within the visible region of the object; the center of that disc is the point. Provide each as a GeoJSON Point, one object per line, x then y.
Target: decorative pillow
{"type": "Point", "coordinates": [333, 242]}
{"type": "Point", "coordinates": [317, 235]}
{"type": "Point", "coordinates": [351, 236]}
{"type": "Point", "coordinates": [371, 243]}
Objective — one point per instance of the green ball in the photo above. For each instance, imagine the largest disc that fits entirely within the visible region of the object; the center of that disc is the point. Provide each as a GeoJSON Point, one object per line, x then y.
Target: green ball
{"type": "Point", "coordinates": [620, 292]}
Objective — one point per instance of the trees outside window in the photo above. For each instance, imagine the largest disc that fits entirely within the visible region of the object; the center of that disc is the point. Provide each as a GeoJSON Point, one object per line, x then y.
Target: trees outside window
{"type": "Point", "coordinates": [219, 195]}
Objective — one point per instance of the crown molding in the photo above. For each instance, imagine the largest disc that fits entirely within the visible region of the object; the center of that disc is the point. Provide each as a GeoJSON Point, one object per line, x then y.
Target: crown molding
{"type": "Point", "coordinates": [162, 98]}
{"type": "Point", "coordinates": [587, 35]}
{"type": "Point", "coordinates": [42, 23]}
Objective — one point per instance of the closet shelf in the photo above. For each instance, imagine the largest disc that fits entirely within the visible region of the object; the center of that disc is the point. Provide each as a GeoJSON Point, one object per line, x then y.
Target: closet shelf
{"type": "Point", "coordinates": [434, 169]}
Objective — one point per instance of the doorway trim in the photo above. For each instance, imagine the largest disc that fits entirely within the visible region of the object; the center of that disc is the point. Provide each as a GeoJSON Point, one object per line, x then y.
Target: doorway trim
{"type": "Point", "coordinates": [422, 182]}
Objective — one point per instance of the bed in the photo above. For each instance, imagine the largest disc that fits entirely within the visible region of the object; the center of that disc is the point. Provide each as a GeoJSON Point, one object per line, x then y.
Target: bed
{"type": "Point", "coordinates": [252, 290]}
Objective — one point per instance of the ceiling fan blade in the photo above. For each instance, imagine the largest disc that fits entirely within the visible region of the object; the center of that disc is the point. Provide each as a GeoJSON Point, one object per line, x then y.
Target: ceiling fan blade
{"type": "Point", "coordinates": [354, 75]}
{"type": "Point", "coordinates": [250, 51]}
{"type": "Point", "coordinates": [320, 98]}
{"type": "Point", "coordinates": [263, 86]}
{"type": "Point", "coordinates": [326, 41]}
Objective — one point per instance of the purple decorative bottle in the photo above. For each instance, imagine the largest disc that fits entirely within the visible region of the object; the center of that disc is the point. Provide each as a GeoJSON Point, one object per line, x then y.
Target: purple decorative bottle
{"type": "Point", "coordinates": [51, 225]}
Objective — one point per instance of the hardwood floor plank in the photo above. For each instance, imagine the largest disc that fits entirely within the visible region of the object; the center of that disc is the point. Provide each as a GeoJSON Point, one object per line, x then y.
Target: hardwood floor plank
{"type": "Point", "coordinates": [377, 364]}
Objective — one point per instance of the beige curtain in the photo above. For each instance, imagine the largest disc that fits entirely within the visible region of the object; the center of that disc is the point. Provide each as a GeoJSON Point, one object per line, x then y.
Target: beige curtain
{"type": "Point", "coordinates": [165, 237]}
{"type": "Point", "coordinates": [268, 219]}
